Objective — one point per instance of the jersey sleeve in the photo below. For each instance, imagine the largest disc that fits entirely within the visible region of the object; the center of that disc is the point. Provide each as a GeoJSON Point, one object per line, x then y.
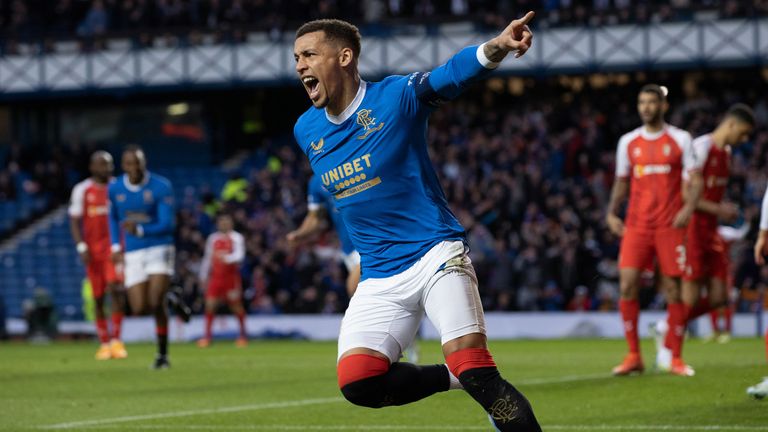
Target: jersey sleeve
{"type": "Point", "coordinates": [205, 263]}
{"type": "Point", "coordinates": [692, 162]}
{"type": "Point", "coordinates": [114, 217]}
{"type": "Point", "coordinates": [164, 223]}
{"type": "Point", "coordinates": [764, 213]}
{"type": "Point", "coordinates": [238, 249]}
{"type": "Point", "coordinates": [77, 201]}
{"type": "Point", "coordinates": [623, 165]}
{"type": "Point", "coordinates": [315, 196]}
{"type": "Point", "coordinates": [429, 90]}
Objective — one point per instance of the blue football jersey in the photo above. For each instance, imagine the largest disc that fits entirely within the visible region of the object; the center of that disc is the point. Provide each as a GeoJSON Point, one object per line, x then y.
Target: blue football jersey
{"type": "Point", "coordinates": [149, 204]}
{"type": "Point", "coordinates": [319, 197]}
{"type": "Point", "coordinates": [373, 159]}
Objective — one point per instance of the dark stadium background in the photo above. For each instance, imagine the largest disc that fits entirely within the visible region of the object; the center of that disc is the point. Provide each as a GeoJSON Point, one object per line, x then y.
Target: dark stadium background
{"type": "Point", "coordinates": [526, 158]}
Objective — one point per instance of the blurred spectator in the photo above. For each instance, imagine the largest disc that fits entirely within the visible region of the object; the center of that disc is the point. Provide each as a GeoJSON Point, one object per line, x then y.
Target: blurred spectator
{"type": "Point", "coordinates": [95, 21]}
{"type": "Point", "coordinates": [235, 190]}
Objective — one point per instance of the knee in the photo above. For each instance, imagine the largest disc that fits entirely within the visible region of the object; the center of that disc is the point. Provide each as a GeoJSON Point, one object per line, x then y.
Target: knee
{"type": "Point", "coordinates": [627, 289]}
{"type": "Point", "coordinates": [360, 379]}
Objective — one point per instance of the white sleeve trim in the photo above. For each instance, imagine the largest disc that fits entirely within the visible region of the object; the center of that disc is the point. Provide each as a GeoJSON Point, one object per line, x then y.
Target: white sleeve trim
{"type": "Point", "coordinates": [238, 249]}
{"type": "Point", "coordinates": [314, 206]}
{"type": "Point", "coordinates": [764, 213]}
{"type": "Point", "coordinates": [77, 200]}
{"type": "Point", "coordinates": [485, 61]}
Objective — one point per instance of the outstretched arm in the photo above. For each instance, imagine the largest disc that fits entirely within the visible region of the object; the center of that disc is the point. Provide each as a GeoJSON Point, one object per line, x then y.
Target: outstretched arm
{"type": "Point", "coordinates": [312, 225]}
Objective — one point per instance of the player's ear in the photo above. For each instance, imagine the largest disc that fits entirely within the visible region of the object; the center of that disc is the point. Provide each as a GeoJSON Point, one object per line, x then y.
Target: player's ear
{"type": "Point", "coordinates": [346, 57]}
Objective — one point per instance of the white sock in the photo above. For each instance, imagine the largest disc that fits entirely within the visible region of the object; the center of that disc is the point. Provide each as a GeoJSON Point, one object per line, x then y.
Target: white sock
{"type": "Point", "coordinates": [455, 384]}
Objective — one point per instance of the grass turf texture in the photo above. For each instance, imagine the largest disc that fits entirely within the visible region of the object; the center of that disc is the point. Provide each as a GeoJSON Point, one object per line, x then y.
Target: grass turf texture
{"type": "Point", "coordinates": [223, 388]}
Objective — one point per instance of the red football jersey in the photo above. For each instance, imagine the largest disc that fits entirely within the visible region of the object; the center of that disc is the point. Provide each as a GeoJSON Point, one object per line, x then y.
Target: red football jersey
{"type": "Point", "coordinates": [224, 252]}
{"type": "Point", "coordinates": [715, 171]}
{"type": "Point", "coordinates": [657, 163]}
{"type": "Point", "coordinates": [89, 201]}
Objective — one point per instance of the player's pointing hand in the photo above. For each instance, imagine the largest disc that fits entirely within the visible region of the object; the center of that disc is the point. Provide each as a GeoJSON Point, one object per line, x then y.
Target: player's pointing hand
{"type": "Point", "coordinates": [516, 37]}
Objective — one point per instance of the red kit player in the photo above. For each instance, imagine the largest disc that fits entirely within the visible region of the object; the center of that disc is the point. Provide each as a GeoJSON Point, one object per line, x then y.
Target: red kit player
{"type": "Point", "coordinates": [707, 266]}
{"type": "Point", "coordinates": [652, 162]}
{"type": "Point", "coordinates": [220, 274]}
{"type": "Point", "coordinates": [88, 209]}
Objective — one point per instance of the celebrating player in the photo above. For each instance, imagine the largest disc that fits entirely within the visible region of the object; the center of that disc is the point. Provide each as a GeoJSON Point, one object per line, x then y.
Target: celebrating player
{"type": "Point", "coordinates": [760, 390]}
{"type": "Point", "coordinates": [320, 202]}
{"type": "Point", "coordinates": [707, 260]}
{"type": "Point", "coordinates": [220, 274]}
{"type": "Point", "coordinates": [367, 143]}
{"type": "Point", "coordinates": [142, 211]}
{"type": "Point", "coordinates": [89, 224]}
{"type": "Point", "coordinates": [656, 157]}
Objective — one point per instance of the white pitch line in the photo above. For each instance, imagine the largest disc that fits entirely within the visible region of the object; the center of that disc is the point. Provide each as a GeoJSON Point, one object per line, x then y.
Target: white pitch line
{"type": "Point", "coordinates": [283, 427]}
{"type": "Point", "coordinates": [254, 407]}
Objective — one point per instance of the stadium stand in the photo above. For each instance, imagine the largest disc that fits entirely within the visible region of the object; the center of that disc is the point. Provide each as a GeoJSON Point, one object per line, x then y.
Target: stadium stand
{"type": "Point", "coordinates": [530, 184]}
{"type": "Point", "coordinates": [84, 24]}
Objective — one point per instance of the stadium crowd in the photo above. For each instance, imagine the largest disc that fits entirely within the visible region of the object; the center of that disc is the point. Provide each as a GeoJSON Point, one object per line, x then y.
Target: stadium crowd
{"type": "Point", "coordinates": [528, 177]}
{"type": "Point", "coordinates": [205, 21]}
{"type": "Point", "coordinates": [530, 182]}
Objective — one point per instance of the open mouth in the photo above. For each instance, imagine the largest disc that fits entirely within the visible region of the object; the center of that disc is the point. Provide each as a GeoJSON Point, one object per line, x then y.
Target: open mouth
{"type": "Point", "coordinates": [312, 85]}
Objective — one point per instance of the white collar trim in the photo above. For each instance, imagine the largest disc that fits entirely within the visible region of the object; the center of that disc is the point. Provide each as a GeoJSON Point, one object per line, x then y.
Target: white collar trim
{"type": "Point", "coordinates": [136, 187]}
{"type": "Point", "coordinates": [347, 113]}
{"type": "Point", "coordinates": [650, 136]}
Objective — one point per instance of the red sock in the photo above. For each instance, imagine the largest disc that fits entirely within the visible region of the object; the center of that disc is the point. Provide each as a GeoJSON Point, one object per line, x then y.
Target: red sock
{"type": "Point", "coordinates": [101, 330]}
{"type": "Point", "coordinates": [208, 324]}
{"type": "Point", "coordinates": [714, 317]}
{"type": "Point", "coordinates": [700, 308]}
{"type": "Point", "coordinates": [630, 310]}
{"type": "Point", "coordinates": [241, 320]}
{"type": "Point", "coordinates": [117, 325]}
{"type": "Point", "coordinates": [728, 312]}
{"type": "Point", "coordinates": [468, 358]}
{"type": "Point", "coordinates": [356, 367]}
{"type": "Point", "coordinates": [678, 312]}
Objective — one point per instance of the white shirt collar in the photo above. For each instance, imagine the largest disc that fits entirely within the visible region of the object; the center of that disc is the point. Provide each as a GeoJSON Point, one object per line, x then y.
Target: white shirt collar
{"type": "Point", "coordinates": [650, 136]}
{"type": "Point", "coordinates": [347, 113]}
{"type": "Point", "coordinates": [136, 187]}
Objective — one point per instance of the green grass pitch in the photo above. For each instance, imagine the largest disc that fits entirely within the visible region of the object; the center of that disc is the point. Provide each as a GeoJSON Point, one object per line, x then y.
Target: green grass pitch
{"type": "Point", "coordinates": [290, 386]}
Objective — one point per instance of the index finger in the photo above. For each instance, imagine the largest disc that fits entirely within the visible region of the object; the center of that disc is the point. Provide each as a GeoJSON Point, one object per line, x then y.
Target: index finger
{"type": "Point", "coordinates": [527, 18]}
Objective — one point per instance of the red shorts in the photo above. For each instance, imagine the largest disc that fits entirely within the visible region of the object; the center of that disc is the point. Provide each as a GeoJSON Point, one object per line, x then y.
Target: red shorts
{"type": "Point", "coordinates": [228, 289]}
{"type": "Point", "coordinates": [707, 259]}
{"type": "Point", "coordinates": [102, 272]}
{"type": "Point", "coordinates": [640, 246]}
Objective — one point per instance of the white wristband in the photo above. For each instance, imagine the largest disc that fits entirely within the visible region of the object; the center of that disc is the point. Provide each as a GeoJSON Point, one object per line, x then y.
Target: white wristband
{"type": "Point", "coordinates": [484, 60]}
{"type": "Point", "coordinates": [82, 247]}
{"type": "Point", "coordinates": [116, 248]}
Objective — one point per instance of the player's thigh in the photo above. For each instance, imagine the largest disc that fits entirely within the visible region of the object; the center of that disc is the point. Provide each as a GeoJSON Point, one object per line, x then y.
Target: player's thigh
{"type": "Point", "coordinates": [453, 304]}
{"type": "Point", "coordinates": [158, 287]}
{"type": "Point", "coordinates": [637, 249]}
{"type": "Point", "coordinates": [671, 251]}
{"type": "Point", "coordinates": [385, 324]}
{"type": "Point", "coordinates": [138, 298]}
